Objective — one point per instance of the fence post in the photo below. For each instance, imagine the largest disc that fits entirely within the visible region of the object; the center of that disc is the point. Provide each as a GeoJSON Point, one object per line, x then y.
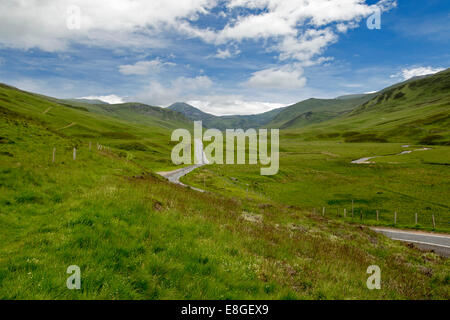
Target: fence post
{"type": "Point", "coordinates": [434, 222]}
{"type": "Point", "coordinates": [352, 208]}
{"type": "Point", "coordinates": [323, 211]}
{"type": "Point", "coordinates": [377, 215]}
{"type": "Point", "coordinates": [395, 217]}
{"type": "Point", "coordinates": [53, 156]}
{"type": "Point", "coordinates": [74, 153]}
{"type": "Point", "coordinates": [416, 218]}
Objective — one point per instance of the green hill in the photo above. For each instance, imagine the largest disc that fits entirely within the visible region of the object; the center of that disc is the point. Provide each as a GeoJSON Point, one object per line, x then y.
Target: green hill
{"type": "Point", "coordinates": [225, 122]}
{"type": "Point", "coordinates": [417, 110]}
{"type": "Point", "coordinates": [316, 110]}
{"type": "Point", "coordinates": [137, 131]}
{"type": "Point", "coordinates": [135, 236]}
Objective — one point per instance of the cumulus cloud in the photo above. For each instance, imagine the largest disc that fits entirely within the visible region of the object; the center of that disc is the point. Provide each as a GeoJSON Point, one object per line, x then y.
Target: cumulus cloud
{"type": "Point", "coordinates": [111, 99]}
{"type": "Point", "coordinates": [409, 73]}
{"type": "Point", "coordinates": [46, 24]}
{"type": "Point", "coordinates": [143, 67]}
{"type": "Point", "coordinates": [222, 105]}
{"type": "Point", "coordinates": [302, 29]}
{"type": "Point", "coordinates": [178, 89]}
{"type": "Point", "coordinates": [277, 78]}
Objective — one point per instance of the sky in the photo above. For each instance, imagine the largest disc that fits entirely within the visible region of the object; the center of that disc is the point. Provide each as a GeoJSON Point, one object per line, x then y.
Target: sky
{"type": "Point", "coordinates": [223, 57]}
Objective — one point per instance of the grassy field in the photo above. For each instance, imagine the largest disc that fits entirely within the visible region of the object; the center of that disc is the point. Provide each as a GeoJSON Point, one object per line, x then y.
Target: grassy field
{"type": "Point", "coordinates": [320, 174]}
{"type": "Point", "coordinates": [135, 236]}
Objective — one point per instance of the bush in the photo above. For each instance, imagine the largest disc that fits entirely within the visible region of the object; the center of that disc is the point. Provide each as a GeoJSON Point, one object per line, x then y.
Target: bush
{"type": "Point", "coordinates": [118, 135]}
{"type": "Point", "coordinates": [399, 95]}
{"type": "Point", "coordinates": [367, 137]}
{"type": "Point", "coordinates": [431, 139]}
{"type": "Point", "coordinates": [132, 146]}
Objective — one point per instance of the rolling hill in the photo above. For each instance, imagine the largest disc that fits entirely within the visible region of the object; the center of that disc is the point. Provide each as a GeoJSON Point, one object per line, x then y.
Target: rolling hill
{"type": "Point", "coordinates": [133, 130]}
{"type": "Point", "coordinates": [136, 236]}
{"type": "Point", "coordinates": [316, 110]}
{"type": "Point", "coordinates": [417, 110]}
{"type": "Point", "coordinates": [225, 122]}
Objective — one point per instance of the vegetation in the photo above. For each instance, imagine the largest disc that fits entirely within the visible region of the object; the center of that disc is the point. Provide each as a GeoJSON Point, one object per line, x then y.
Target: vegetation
{"type": "Point", "coordinates": [225, 122]}
{"type": "Point", "coordinates": [135, 236]}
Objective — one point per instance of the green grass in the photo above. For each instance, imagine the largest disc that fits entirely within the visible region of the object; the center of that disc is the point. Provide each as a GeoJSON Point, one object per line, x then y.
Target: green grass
{"type": "Point", "coordinates": [414, 112]}
{"type": "Point", "coordinates": [320, 174]}
{"type": "Point", "coordinates": [135, 236]}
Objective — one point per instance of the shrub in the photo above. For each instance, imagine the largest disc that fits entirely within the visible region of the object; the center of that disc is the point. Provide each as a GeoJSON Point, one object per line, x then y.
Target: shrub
{"type": "Point", "coordinates": [118, 135]}
{"type": "Point", "coordinates": [132, 146]}
{"type": "Point", "coordinates": [367, 137]}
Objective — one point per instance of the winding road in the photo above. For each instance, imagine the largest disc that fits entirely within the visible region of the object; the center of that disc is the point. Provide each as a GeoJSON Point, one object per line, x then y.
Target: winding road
{"type": "Point", "coordinates": [175, 175]}
{"type": "Point", "coordinates": [366, 160]}
{"type": "Point", "coordinates": [439, 243]}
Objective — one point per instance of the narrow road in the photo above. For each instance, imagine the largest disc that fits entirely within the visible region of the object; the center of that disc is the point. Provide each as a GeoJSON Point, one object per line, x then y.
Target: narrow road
{"type": "Point", "coordinates": [367, 159]}
{"type": "Point", "coordinates": [439, 243]}
{"type": "Point", "coordinates": [175, 175]}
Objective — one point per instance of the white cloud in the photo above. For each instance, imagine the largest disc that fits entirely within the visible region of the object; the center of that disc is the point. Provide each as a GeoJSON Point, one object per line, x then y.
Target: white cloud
{"type": "Point", "coordinates": [223, 54]}
{"type": "Point", "coordinates": [284, 78]}
{"type": "Point", "coordinates": [227, 53]}
{"type": "Point", "coordinates": [143, 67]}
{"type": "Point", "coordinates": [301, 29]}
{"type": "Point", "coordinates": [111, 99]}
{"type": "Point", "coordinates": [43, 24]}
{"type": "Point", "coordinates": [180, 88]}
{"type": "Point", "coordinates": [232, 105]}
{"type": "Point", "coordinates": [406, 73]}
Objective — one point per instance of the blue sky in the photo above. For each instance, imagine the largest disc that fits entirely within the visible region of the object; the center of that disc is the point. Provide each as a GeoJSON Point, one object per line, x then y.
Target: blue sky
{"type": "Point", "coordinates": [224, 57]}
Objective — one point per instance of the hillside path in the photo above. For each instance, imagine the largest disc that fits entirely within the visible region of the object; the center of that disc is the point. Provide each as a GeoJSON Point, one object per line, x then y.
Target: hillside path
{"type": "Point", "coordinates": [68, 126]}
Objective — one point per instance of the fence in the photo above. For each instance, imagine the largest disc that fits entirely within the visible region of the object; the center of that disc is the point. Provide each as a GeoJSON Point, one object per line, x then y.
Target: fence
{"type": "Point", "coordinates": [432, 220]}
{"type": "Point", "coordinates": [74, 152]}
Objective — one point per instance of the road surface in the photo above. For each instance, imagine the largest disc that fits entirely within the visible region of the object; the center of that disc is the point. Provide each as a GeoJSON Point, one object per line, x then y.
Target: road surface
{"type": "Point", "coordinates": [175, 175]}
{"type": "Point", "coordinates": [440, 243]}
{"type": "Point", "coordinates": [367, 159]}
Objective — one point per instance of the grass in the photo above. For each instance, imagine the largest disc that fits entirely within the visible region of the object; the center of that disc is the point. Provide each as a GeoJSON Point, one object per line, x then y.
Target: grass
{"type": "Point", "coordinates": [135, 236]}
{"type": "Point", "coordinates": [320, 174]}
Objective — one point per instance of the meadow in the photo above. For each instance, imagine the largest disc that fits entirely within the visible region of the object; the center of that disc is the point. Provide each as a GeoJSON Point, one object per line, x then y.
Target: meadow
{"type": "Point", "coordinates": [135, 236]}
{"type": "Point", "coordinates": [318, 174]}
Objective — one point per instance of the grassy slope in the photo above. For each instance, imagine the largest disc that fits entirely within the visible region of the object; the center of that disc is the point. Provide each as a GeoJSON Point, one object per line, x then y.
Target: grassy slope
{"type": "Point", "coordinates": [319, 174]}
{"type": "Point", "coordinates": [315, 169]}
{"type": "Point", "coordinates": [136, 236]}
{"type": "Point", "coordinates": [415, 111]}
{"type": "Point", "coordinates": [144, 140]}
{"type": "Point", "coordinates": [314, 111]}
{"type": "Point", "coordinates": [226, 122]}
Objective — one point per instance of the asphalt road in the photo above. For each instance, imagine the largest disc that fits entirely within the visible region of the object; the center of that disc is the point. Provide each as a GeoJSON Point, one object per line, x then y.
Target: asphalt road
{"type": "Point", "coordinates": [175, 175]}
{"type": "Point", "coordinates": [439, 243]}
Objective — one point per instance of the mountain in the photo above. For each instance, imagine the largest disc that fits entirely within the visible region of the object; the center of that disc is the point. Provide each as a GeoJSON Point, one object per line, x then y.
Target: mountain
{"type": "Point", "coordinates": [190, 112]}
{"type": "Point", "coordinates": [417, 110]}
{"type": "Point", "coordinates": [139, 129]}
{"type": "Point", "coordinates": [88, 101]}
{"type": "Point", "coordinates": [145, 114]}
{"type": "Point", "coordinates": [224, 122]}
{"type": "Point", "coordinates": [316, 110]}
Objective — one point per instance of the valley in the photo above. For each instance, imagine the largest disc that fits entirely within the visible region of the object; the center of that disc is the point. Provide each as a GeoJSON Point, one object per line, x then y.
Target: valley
{"type": "Point", "coordinates": [136, 236]}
